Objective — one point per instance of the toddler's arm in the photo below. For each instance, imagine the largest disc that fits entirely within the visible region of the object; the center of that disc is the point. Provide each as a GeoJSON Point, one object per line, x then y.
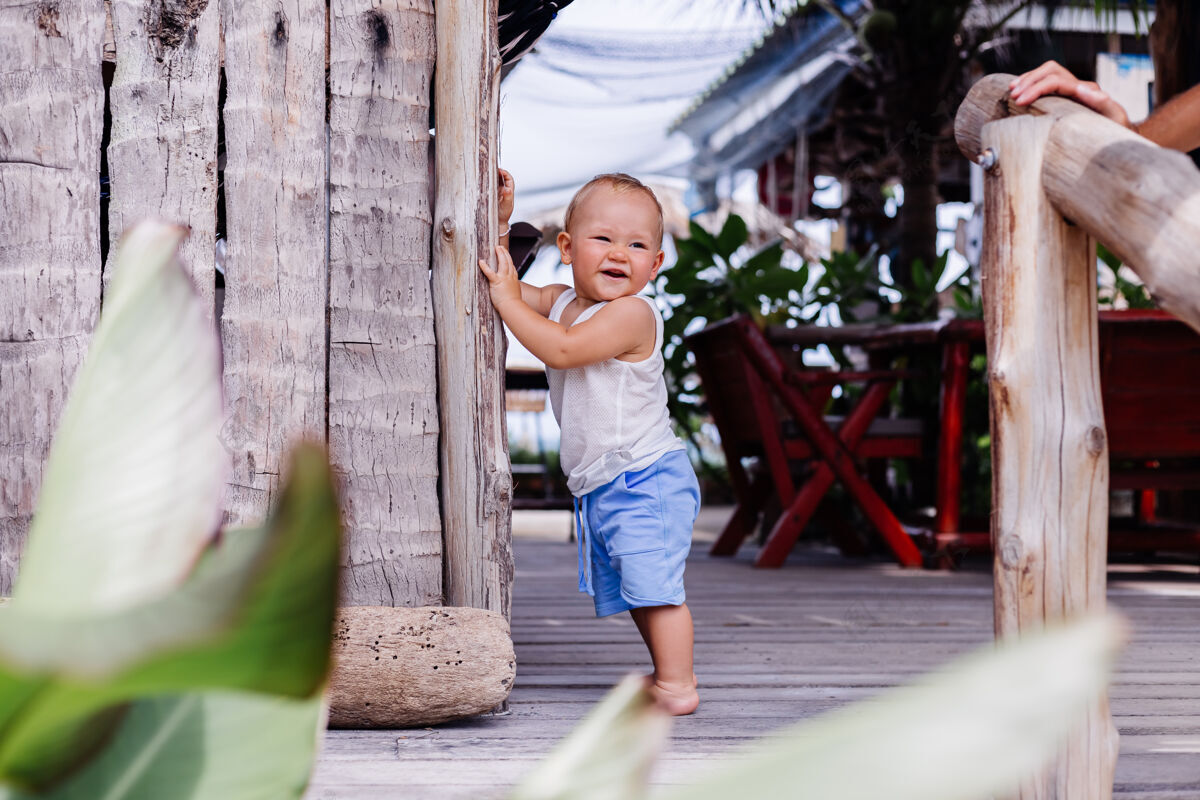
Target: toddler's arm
{"type": "Point", "coordinates": [539, 298]}
{"type": "Point", "coordinates": [624, 326]}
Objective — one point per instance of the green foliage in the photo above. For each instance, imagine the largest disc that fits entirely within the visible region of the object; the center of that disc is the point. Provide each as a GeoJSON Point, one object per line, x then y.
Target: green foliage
{"type": "Point", "coordinates": [1124, 291]}
{"type": "Point", "coordinates": [711, 284]}
{"type": "Point", "coordinates": [608, 756]}
{"type": "Point", "coordinates": [711, 280]}
{"type": "Point", "coordinates": [172, 663]}
{"type": "Point", "coordinates": [992, 718]}
{"type": "Point", "coordinates": [708, 282]}
{"type": "Point", "coordinates": [848, 283]}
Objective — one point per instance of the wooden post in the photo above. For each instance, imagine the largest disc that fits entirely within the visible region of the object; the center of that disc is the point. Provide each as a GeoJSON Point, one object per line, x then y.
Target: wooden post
{"type": "Point", "coordinates": [162, 155]}
{"type": "Point", "coordinates": [273, 321]}
{"type": "Point", "coordinates": [476, 479]}
{"type": "Point", "coordinates": [383, 425]}
{"type": "Point", "coordinates": [51, 97]}
{"type": "Point", "coordinates": [1049, 454]}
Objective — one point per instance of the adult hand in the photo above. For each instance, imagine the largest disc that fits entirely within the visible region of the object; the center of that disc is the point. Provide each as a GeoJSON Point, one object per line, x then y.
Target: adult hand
{"type": "Point", "coordinates": [505, 286]}
{"type": "Point", "coordinates": [1053, 78]}
{"type": "Point", "coordinates": [505, 193]}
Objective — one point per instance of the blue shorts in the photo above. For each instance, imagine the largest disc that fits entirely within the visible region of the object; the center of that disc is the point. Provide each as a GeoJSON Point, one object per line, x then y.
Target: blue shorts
{"type": "Point", "coordinates": [635, 533]}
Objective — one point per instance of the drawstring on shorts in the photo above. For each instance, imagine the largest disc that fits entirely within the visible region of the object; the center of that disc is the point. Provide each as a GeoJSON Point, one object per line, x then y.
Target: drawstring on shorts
{"type": "Point", "coordinates": [585, 545]}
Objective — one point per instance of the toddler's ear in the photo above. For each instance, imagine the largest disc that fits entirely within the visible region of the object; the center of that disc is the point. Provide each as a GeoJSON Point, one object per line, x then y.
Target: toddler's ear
{"type": "Point", "coordinates": [658, 262]}
{"type": "Point", "coordinates": [564, 246]}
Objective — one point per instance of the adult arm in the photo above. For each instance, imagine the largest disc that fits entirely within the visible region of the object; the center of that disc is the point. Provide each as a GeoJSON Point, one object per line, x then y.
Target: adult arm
{"type": "Point", "coordinates": [1175, 124]}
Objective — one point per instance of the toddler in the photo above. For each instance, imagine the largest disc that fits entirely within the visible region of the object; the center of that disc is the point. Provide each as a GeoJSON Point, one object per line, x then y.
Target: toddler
{"type": "Point", "coordinates": [636, 496]}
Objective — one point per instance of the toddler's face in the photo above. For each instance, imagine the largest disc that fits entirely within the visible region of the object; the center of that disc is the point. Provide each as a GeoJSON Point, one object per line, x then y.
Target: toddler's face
{"type": "Point", "coordinates": [612, 244]}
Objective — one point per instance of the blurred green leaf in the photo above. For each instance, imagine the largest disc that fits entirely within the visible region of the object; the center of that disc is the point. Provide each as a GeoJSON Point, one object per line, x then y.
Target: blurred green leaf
{"type": "Point", "coordinates": [733, 235]}
{"type": "Point", "coordinates": [608, 757]}
{"type": "Point", "coordinates": [768, 259]}
{"type": "Point", "coordinates": [992, 719]}
{"type": "Point", "coordinates": [1126, 293]}
{"type": "Point", "coordinates": [252, 617]}
{"type": "Point", "coordinates": [703, 239]}
{"type": "Point", "coordinates": [920, 275]}
{"type": "Point", "coordinates": [135, 474]}
{"type": "Point", "coordinates": [139, 467]}
{"type": "Point", "coordinates": [1108, 257]}
{"type": "Point", "coordinates": [777, 283]}
{"type": "Point", "coordinates": [202, 746]}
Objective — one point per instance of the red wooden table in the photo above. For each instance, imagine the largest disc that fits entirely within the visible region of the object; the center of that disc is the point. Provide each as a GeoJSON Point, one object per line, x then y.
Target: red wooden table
{"type": "Point", "coordinates": [1150, 384]}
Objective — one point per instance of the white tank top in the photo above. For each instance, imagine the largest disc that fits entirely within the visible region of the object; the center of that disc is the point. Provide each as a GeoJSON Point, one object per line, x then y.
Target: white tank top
{"type": "Point", "coordinates": [613, 414]}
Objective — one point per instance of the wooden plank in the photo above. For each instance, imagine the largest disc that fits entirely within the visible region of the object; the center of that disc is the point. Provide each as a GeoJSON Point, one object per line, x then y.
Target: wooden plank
{"type": "Point", "coordinates": [162, 152]}
{"type": "Point", "coordinates": [51, 97]}
{"type": "Point", "coordinates": [383, 426]}
{"type": "Point", "coordinates": [476, 484]}
{"type": "Point", "coordinates": [1153, 698]}
{"type": "Point", "coordinates": [273, 322]}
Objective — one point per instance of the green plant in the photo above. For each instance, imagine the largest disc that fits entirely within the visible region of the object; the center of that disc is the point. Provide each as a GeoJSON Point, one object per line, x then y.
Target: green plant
{"type": "Point", "coordinates": [972, 730]}
{"type": "Point", "coordinates": [1124, 291]}
{"type": "Point", "coordinates": [142, 655]}
{"type": "Point", "coordinates": [850, 283]}
{"type": "Point", "coordinates": [708, 282]}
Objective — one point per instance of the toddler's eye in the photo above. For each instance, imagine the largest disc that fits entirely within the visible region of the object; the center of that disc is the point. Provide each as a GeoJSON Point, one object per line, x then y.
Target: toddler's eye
{"type": "Point", "coordinates": [638, 244]}
{"type": "Point", "coordinates": [600, 238]}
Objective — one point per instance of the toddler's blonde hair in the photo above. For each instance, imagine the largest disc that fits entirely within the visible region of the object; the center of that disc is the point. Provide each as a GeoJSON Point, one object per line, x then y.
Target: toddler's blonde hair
{"type": "Point", "coordinates": [619, 182]}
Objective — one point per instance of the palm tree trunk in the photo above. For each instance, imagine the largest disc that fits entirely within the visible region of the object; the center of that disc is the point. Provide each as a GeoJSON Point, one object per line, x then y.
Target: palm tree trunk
{"type": "Point", "coordinates": [1174, 37]}
{"type": "Point", "coordinates": [918, 215]}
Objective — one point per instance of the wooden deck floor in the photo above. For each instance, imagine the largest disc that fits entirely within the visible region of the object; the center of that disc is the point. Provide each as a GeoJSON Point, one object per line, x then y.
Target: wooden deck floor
{"type": "Point", "coordinates": [772, 647]}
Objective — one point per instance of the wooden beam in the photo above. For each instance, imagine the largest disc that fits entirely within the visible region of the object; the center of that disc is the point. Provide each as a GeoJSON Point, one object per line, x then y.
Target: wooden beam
{"type": "Point", "coordinates": [276, 277]}
{"type": "Point", "coordinates": [383, 425]}
{"type": "Point", "coordinates": [476, 479]}
{"type": "Point", "coordinates": [1140, 200]}
{"type": "Point", "coordinates": [1049, 451]}
{"type": "Point", "coordinates": [162, 156]}
{"type": "Point", "coordinates": [988, 101]}
{"type": "Point", "coordinates": [51, 114]}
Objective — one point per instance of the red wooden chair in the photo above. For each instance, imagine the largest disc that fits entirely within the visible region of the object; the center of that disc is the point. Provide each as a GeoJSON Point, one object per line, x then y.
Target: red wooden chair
{"type": "Point", "coordinates": [773, 413]}
{"type": "Point", "coordinates": [1148, 367]}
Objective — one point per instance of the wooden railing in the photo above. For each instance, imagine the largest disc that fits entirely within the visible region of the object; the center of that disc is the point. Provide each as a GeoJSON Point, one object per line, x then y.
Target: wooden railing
{"type": "Point", "coordinates": [1059, 177]}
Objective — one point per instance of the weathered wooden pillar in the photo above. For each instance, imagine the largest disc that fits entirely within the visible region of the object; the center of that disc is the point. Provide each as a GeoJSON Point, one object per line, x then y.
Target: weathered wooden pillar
{"type": "Point", "coordinates": [383, 425]}
{"type": "Point", "coordinates": [476, 479]}
{"type": "Point", "coordinates": [276, 277]}
{"type": "Point", "coordinates": [1049, 454]}
{"type": "Point", "coordinates": [51, 97]}
{"type": "Point", "coordinates": [395, 665]}
{"type": "Point", "coordinates": [162, 153]}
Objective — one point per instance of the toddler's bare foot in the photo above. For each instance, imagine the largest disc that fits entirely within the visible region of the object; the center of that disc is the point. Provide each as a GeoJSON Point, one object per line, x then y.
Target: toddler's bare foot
{"type": "Point", "coordinates": [677, 699]}
{"type": "Point", "coordinates": [648, 680]}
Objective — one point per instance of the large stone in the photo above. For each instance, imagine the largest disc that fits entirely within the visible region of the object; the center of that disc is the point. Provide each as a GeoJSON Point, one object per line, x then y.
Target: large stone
{"type": "Point", "coordinates": [408, 667]}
